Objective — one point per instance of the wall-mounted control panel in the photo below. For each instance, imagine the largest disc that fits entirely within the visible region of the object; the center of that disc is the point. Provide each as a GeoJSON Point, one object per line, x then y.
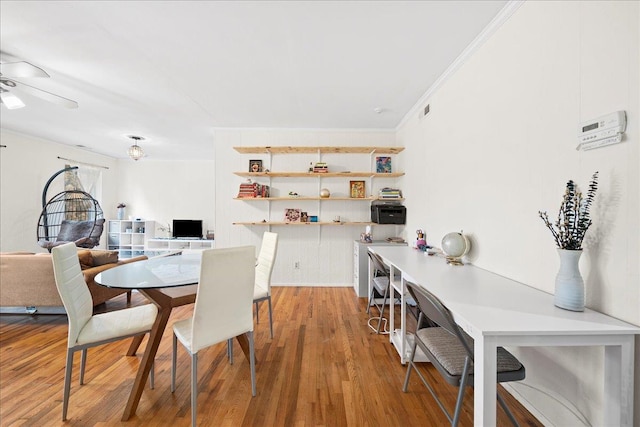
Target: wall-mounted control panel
{"type": "Point", "coordinates": [605, 130]}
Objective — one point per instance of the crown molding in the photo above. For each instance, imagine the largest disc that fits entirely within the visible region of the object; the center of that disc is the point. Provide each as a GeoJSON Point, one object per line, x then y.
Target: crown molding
{"type": "Point", "coordinates": [502, 16]}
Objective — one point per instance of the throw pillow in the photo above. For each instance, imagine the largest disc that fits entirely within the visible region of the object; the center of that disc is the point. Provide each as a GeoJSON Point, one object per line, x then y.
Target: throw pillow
{"type": "Point", "coordinates": [70, 230]}
{"type": "Point", "coordinates": [85, 258]}
{"type": "Point", "coordinates": [104, 257]}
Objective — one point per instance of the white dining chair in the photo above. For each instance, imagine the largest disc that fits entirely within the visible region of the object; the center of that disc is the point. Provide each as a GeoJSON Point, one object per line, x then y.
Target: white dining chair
{"type": "Point", "coordinates": [264, 268]}
{"type": "Point", "coordinates": [85, 329]}
{"type": "Point", "coordinates": [223, 310]}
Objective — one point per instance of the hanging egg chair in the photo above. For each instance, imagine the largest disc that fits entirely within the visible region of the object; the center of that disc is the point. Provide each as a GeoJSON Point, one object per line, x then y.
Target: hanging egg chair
{"type": "Point", "coordinates": [70, 216]}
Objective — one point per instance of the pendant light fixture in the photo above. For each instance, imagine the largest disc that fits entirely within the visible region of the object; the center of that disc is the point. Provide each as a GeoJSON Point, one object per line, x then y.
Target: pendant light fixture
{"type": "Point", "coordinates": [135, 151]}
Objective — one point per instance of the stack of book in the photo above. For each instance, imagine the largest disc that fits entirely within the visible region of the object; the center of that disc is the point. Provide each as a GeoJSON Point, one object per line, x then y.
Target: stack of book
{"type": "Point", "coordinates": [253, 189]}
{"type": "Point", "coordinates": [320, 167]}
{"type": "Point", "coordinates": [389, 193]}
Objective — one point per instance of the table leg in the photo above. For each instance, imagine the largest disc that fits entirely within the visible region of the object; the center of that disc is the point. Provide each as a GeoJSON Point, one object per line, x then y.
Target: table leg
{"type": "Point", "coordinates": [135, 343]}
{"type": "Point", "coordinates": [485, 367]}
{"type": "Point", "coordinates": [403, 321]}
{"type": "Point", "coordinates": [618, 383]}
{"type": "Point", "coordinates": [244, 344]}
{"type": "Point", "coordinates": [164, 304]}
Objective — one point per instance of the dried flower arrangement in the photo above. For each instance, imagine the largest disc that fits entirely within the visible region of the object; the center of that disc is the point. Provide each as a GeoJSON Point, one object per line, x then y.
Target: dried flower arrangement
{"type": "Point", "coordinates": [573, 217]}
{"type": "Point", "coordinates": [121, 205]}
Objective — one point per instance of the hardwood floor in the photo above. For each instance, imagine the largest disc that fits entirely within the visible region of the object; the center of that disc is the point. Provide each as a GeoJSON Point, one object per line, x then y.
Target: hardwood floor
{"type": "Point", "coordinates": [324, 367]}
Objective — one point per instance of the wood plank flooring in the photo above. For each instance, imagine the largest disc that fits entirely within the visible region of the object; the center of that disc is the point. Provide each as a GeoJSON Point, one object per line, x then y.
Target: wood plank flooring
{"type": "Point", "coordinates": [324, 367]}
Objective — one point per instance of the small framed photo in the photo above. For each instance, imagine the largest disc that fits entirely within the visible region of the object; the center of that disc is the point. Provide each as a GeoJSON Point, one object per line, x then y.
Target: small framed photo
{"type": "Point", "coordinates": [255, 165]}
{"type": "Point", "coordinates": [383, 164]}
{"type": "Point", "coordinates": [356, 189]}
{"type": "Point", "coordinates": [292, 215]}
{"type": "Point", "coordinates": [304, 217]}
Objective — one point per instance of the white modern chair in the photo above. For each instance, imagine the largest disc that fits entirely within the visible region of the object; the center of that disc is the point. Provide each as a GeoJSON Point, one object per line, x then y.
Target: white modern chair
{"type": "Point", "coordinates": [223, 310]}
{"type": "Point", "coordinates": [85, 329]}
{"type": "Point", "coordinates": [264, 268]}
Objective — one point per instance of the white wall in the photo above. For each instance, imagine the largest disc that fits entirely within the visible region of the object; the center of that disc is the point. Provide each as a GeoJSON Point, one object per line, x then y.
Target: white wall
{"type": "Point", "coordinates": [25, 166]}
{"type": "Point", "coordinates": [324, 253]}
{"type": "Point", "coordinates": [499, 145]}
{"type": "Point", "coordinates": [167, 190]}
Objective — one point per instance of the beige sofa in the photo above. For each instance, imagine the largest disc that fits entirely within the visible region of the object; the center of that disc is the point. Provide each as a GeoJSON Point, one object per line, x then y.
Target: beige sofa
{"type": "Point", "coordinates": [26, 279]}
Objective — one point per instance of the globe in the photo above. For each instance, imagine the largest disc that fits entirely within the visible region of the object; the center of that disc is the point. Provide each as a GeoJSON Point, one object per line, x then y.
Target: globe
{"type": "Point", "coordinates": [455, 245]}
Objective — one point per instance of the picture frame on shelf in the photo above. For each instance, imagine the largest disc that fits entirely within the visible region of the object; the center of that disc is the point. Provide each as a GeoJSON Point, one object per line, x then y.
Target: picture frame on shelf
{"type": "Point", "coordinates": [255, 166]}
{"type": "Point", "coordinates": [383, 164]}
{"type": "Point", "coordinates": [292, 215]}
{"type": "Point", "coordinates": [356, 189]}
{"type": "Point", "coordinates": [304, 217]}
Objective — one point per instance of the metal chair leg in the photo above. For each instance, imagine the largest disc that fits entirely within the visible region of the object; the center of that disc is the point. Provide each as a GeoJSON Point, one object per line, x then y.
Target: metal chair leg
{"type": "Point", "coordinates": [173, 363]}
{"type": "Point", "coordinates": [384, 303]}
{"type": "Point", "coordinates": [230, 350]}
{"type": "Point", "coordinates": [463, 385]}
{"type": "Point", "coordinates": [409, 366]}
{"type": "Point", "coordinates": [67, 384]}
{"type": "Point", "coordinates": [270, 316]}
{"type": "Point", "coordinates": [257, 312]}
{"type": "Point", "coordinates": [252, 356]}
{"type": "Point", "coordinates": [194, 388]}
{"type": "Point", "coordinates": [506, 409]}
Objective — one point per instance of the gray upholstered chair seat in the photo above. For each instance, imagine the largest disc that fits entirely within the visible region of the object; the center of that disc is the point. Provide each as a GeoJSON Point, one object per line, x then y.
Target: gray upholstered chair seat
{"type": "Point", "coordinates": [450, 350]}
{"type": "Point", "coordinates": [451, 354]}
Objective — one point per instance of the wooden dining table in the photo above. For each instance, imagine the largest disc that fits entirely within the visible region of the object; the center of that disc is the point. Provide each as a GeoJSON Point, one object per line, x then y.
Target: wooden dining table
{"type": "Point", "coordinates": [168, 282]}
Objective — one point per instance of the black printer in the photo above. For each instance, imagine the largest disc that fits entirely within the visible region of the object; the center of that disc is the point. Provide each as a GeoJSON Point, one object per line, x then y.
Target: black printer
{"type": "Point", "coordinates": [388, 212]}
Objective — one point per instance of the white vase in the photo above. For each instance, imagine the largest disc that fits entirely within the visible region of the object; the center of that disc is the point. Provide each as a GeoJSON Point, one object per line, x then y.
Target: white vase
{"type": "Point", "coordinates": [120, 213]}
{"type": "Point", "coordinates": [569, 284]}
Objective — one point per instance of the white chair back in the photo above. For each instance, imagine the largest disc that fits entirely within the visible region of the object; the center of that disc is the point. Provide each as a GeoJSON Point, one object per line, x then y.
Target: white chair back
{"type": "Point", "coordinates": [266, 259]}
{"type": "Point", "coordinates": [73, 289]}
{"type": "Point", "coordinates": [224, 302]}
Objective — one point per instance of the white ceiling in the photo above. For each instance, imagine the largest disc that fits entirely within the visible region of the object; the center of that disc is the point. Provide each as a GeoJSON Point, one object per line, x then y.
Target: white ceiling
{"type": "Point", "coordinates": [173, 71]}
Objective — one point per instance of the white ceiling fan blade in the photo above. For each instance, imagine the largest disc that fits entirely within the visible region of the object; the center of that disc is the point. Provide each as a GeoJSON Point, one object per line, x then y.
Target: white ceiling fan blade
{"type": "Point", "coordinates": [11, 101]}
{"type": "Point", "coordinates": [21, 69]}
{"type": "Point", "coordinates": [47, 96]}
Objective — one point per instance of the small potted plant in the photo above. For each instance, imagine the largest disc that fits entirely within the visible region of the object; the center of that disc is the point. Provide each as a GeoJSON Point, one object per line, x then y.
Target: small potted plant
{"type": "Point", "coordinates": [121, 207]}
{"type": "Point", "coordinates": [568, 232]}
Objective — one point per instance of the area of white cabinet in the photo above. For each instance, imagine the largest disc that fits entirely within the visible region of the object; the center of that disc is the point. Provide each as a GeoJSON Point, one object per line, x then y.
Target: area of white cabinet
{"type": "Point", "coordinates": [171, 245]}
{"type": "Point", "coordinates": [361, 264]}
{"type": "Point", "coordinates": [129, 237]}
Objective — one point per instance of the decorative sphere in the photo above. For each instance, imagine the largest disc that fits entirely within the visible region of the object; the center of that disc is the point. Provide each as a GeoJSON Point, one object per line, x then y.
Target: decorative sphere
{"type": "Point", "coordinates": [455, 245]}
{"type": "Point", "coordinates": [324, 193]}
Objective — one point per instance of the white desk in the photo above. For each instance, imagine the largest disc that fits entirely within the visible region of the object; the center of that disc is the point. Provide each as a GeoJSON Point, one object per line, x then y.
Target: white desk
{"type": "Point", "coordinates": [497, 311]}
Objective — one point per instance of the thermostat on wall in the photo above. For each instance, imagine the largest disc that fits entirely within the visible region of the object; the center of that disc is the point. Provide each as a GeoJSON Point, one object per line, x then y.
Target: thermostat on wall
{"type": "Point", "coordinates": [605, 130]}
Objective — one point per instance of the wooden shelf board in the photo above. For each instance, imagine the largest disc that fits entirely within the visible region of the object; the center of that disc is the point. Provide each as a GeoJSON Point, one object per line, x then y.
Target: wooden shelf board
{"type": "Point", "coordinates": [317, 149]}
{"type": "Point", "coordinates": [252, 199]}
{"type": "Point", "coordinates": [293, 224]}
{"type": "Point", "coordinates": [320, 175]}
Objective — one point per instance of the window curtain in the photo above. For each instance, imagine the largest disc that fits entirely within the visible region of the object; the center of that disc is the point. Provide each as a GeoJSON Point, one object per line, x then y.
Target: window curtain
{"type": "Point", "coordinates": [87, 179]}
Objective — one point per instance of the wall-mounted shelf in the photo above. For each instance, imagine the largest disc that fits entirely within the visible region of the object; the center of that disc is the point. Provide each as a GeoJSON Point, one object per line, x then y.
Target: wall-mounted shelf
{"type": "Point", "coordinates": [295, 224]}
{"type": "Point", "coordinates": [298, 176]}
{"type": "Point", "coordinates": [316, 149]}
{"type": "Point", "coordinates": [320, 175]}
{"type": "Point", "coordinates": [324, 199]}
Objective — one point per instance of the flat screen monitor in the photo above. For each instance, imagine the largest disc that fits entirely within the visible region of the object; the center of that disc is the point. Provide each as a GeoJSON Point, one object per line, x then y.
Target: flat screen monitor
{"type": "Point", "coordinates": [187, 228]}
